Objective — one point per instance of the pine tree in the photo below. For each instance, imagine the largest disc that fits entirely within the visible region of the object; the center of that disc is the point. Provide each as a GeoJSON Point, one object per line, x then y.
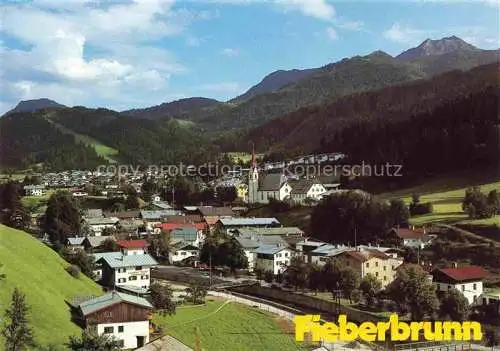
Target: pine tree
{"type": "Point", "coordinates": [17, 332]}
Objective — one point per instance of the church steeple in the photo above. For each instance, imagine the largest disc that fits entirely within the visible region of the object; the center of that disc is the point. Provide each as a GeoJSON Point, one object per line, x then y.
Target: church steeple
{"type": "Point", "coordinates": [253, 179]}
{"type": "Point", "coordinates": [254, 161]}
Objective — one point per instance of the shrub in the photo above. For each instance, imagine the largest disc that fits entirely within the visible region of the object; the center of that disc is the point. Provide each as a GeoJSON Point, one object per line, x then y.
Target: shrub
{"type": "Point", "coordinates": [73, 270]}
{"type": "Point", "coordinates": [421, 209]}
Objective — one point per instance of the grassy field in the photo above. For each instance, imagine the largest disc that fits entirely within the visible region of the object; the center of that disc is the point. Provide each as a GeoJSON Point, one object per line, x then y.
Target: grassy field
{"type": "Point", "coordinates": [102, 150]}
{"type": "Point", "coordinates": [222, 324]}
{"type": "Point", "coordinates": [36, 203]}
{"type": "Point", "coordinates": [40, 273]}
{"type": "Point", "coordinates": [446, 195]}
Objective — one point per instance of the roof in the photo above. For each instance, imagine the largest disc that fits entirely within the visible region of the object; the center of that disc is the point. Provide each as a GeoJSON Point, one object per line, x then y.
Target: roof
{"type": "Point", "coordinates": [165, 343]}
{"type": "Point", "coordinates": [161, 204]}
{"type": "Point", "coordinates": [406, 233]}
{"type": "Point", "coordinates": [95, 241]}
{"type": "Point", "coordinates": [186, 234]}
{"type": "Point", "coordinates": [93, 212]}
{"type": "Point", "coordinates": [270, 231]}
{"type": "Point", "coordinates": [99, 255]}
{"type": "Point", "coordinates": [302, 186]}
{"type": "Point", "coordinates": [191, 208]}
{"type": "Point", "coordinates": [132, 244]}
{"type": "Point", "coordinates": [248, 221]}
{"type": "Point", "coordinates": [269, 249]}
{"type": "Point", "coordinates": [110, 299]}
{"type": "Point", "coordinates": [465, 273]}
{"type": "Point", "coordinates": [123, 214]}
{"type": "Point", "coordinates": [75, 241]}
{"type": "Point", "coordinates": [189, 218]}
{"type": "Point", "coordinates": [272, 182]}
{"type": "Point", "coordinates": [173, 226]}
{"type": "Point", "coordinates": [366, 255]}
{"type": "Point", "coordinates": [251, 242]}
{"type": "Point", "coordinates": [326, 249]}
{"type": "Point", "coordinates": [101, 220]}
{"type": "Point", "coordinates": [215, 211]}
{"type": "Point", "coordinates": [118, 260]}
{"type": "Point", "coordinates": [181, 245]}
{"type": "Point", "coordinates": [157, 214]}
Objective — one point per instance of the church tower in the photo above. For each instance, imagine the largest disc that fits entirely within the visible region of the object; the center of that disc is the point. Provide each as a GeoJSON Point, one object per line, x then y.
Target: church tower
{"type": "Point", "coordinates": [253, 180]}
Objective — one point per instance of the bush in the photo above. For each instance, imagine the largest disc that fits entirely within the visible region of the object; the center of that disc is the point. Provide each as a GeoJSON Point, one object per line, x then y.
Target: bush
{"type": "Point", "coordinates": [74, 271]}
{"type": "Point", "coordinates": [356, 295]}
{"type": "Point", "coordinates": [421, 209]}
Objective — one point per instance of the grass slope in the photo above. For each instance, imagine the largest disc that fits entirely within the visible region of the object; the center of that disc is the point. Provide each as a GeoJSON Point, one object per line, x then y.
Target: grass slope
{"type": "Point", "coordinates": [40, 273]}
{"type": "Point", "coordinates": [221, 325]}
{"type": "Point", "coordinates": [446, 195]}
{"type": "Point", "coordinates": [105, 151]}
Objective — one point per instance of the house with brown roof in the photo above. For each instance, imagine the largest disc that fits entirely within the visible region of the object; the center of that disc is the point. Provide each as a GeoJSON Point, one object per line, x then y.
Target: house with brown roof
{"type": "Point", "coordinates": [413, 237]}
{"type": "Point", "coordinates": [468, 280]}
{"type": "Point", "coordinates": [303, 189]}
{"type": "Point", "coordinates": [380, 264]}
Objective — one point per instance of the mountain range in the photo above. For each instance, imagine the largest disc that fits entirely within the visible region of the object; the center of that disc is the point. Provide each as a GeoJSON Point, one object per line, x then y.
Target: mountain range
{"type": "Point", "coordinates": [285, 110]}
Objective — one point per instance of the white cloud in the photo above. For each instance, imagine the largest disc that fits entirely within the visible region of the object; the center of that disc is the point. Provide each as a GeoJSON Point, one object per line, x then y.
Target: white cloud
{"type": "Point", "coordinates": [319, 9]}
{"type": "Point", "coordinates": [86, 50]}
{"type": "Point", "coordinates": [404, 35]}
{"type": "Point", "coordinates": [223, 87]}
{"type": "Point", "coordinates": [331, 33]}
{"type": "Point", "coordinates": [230, 52]}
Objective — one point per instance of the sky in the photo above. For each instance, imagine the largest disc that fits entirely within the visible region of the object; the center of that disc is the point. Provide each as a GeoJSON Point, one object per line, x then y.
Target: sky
{"type": "Point", "coordinates": [141, 53]}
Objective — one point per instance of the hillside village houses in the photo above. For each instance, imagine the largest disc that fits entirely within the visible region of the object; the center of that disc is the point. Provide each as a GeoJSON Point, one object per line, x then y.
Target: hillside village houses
{"type": "Point", "coordinates": [417, 238]}
{"type": "Point", "coordinates": [34, 190]}
{"type": "Point", "coordinates": [182, 251]}
{"type": "Point", "coordinates": [122, 316]}
{"type": "Point", "coordinates": [273, 257]}
{"type": "Point", "coordinates": [230, 225]}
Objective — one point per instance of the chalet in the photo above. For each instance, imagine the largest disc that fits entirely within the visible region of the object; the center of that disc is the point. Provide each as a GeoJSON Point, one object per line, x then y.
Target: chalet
{"type": "Point", "coordinates": [468, 280]}
{"type": "Point", "coordinates": [188, 234]}
{"type": "Point", "coordinates": [34, 190]}
{"type": "Point", "coordinates": [75, 243]}
{"type": "Point", "coordinates": [97, 225]}
{"type": "Point", "coordinates": [212, 214]}
{"type": "Point", "coordinates": [304, 189]}
{"type": "Point", "coordinates": [119, 315]}
{"type": "Point", "coordinates": [251, 243]}
{"type": "Point", "coordinates": [120, 269]}
{"type": "Point", "coordinates": [182, 251]}
{"type": "Point", "coordinates": [413, 238]}
{"type": "Point", "coordinates": [371, 261]}
{"type": "Point", "coordinates": [273, 258]}
{"type": "Point", "coordinates": [94, 243]}
{"type": "Point", "coordinates": [229, 225]}
{"type": "Point", "coordinates": [133, 247]}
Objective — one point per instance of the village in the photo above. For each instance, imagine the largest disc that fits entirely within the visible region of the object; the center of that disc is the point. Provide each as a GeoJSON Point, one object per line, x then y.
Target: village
{"type": "Point", "coordinates": [221, 250]}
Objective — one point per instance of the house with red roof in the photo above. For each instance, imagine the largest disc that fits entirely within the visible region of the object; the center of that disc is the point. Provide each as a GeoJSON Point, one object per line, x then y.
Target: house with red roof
{"type": "Point", "coordinates": [133, 247]}
{"type": "Point", "coordinates": [468, 280]}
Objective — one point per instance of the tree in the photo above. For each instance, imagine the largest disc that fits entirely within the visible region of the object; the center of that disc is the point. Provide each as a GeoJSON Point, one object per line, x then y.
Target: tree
{"type": "Point", "coordinates": [370, 286]}
{"type": "Point", "coordinates": [331, 275]}
{"type": "Point", "coordinates": [399, 212]}
{"type": "Point", "coordinates": [17, 332]}
{"type": "Point", "coordinates": [160, 245]}
{"type": "Point", "coordinates": [454, 305]}
{"type": "Point", "coordinates": [196, 294]}
{"type": "Point", "coordinates": [110, 245]}
{"type": "Point", "coordinates": [12, 211]}
{"type": "Point", "coordinates": [227, 194]}
{"type": "Point", "coordinates": [297, 273]}
{"type": "Point", "coordinates": [81, 259]}
{"type": "Point", "coordinates": [413, 292]}
{"type": "Point", "coordinates": [161, 297]}
{"type": "Point", "coordinates": [259, 273]}
{"type": "Point", "coordinates": [350, 281]}
{"type": "Point", "coordinates": [232, 255]}
{"type": "Point", "coordinates": [494, 201]}
{"type": "Point", "coordinates": [62, 218]}
{"type": "Point", "coordinates": [132, 202]}
{"type": "Point", "coordinates": [268, 276]}
{"type": "Point", "coordinates": [476, 204]}
{"type": "Point", "coordinates": [315, 278]}
{"type": "Point", "coordinates": [90, 341]}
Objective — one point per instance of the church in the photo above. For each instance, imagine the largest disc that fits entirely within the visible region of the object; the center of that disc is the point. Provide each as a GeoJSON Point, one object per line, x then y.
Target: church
{"type": "Point", "coordinates": [276, 185]}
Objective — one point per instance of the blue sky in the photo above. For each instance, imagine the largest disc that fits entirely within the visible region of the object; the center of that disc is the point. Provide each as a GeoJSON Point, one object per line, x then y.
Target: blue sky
{"type": "Point", "coordinates": [128, 54]}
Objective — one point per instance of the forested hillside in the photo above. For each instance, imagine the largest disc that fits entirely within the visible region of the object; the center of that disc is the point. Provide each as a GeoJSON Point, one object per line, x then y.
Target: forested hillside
{"type": "Point", "coordinates": [28, 138]}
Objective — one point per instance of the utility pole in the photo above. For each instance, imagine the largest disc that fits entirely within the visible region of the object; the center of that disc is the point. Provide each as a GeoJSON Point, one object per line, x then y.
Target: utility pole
{"type": "Point", "coordinates": [210, 265]}
{"type": "Point", "coordinates": [355, 236]}
{"type": "Point", "coordinates": [173, 196]}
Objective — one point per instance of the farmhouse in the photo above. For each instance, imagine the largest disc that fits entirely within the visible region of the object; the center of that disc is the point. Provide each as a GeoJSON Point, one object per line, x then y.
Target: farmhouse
{"type": "Point", "coordinates": [272, 258]}
{"type": "Point", "coordinates": [133, 247]}
{"type": "Point", "coordinates": [182, 251]}
{"type": "Point", "coordinates": [120, 269]}
{"type": "Point", "coordinates": [119, 315]}
{"type": "Point", "coordinates": [304, 189]}
{"type": "Point", "coordinates": [468, 280]}
{"type": "Point", "coordinates": [371, 261]}
{"type": "Point", "coordinates": [413, 238]}
{"type": "Point", "coordinates": [97, 225]}
{"type": "Point", "coordinates": [74, 244]}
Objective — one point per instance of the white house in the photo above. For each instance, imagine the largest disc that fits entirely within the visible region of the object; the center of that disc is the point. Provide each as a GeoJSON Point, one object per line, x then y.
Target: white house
{"type": "Point", "coordinates": [413, 238]}
{"type": "Point", "coordinates": [120, 269]}
{"type": "Point", "coordinates": [273, 258]}
{"type": "Point", "coordinates": [489, 297]}
{"type": "Point", "coordinates": [182, 251]}
{"type": "Point", "coordinates": [230, 225]}
{"type": "Point", "coordinates": [133, 247]}
{"type": "Point", "coordinates": [303, 189]}
{"type": "Point", "coordinates": [468, 280]}
{"type": "Point", "coordinates": [122, 316]}
{"type": "Point", "coordinates": [97, 225]}
{"type": "Point", "coordinates": [251, 242]}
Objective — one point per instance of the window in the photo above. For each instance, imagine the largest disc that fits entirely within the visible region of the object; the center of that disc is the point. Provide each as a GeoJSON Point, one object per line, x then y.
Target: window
{"type": "Point", "coordinates": [183, 253]}
{"type": "Point", "coordinates": [367, 264]}
{"type": "Point", "coordinates": [385, 278]}
{"type": "Point", "coordinates": [122, 280]}
{"type": "Point", "coordinates": [108, 330]}
{"type": "Point", "coordinates": [463, 287]}
{"type": "Point", "coordinates": [376, 264]}
{"type": "Point", "coordinates": [176, 253]}
{"type": "Point", "coordinates": [144, 277]}
{"type": "Point", "coordinates": [120, 329]}
{"type": "Point", "coordinates": [385, 268]}
{"type": "Point", "coordinates": [474, 286]}
{"type": "Point", "coordinates": [138, 268]}
{"type": "Point", "coordinates": [376, 274]}
{"type": "Point", "coordinates": [132, 277]}
{"type": "Point", "coordinates": [286, 254]}
{"type": "Point", "coordinates": [449, 287]}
